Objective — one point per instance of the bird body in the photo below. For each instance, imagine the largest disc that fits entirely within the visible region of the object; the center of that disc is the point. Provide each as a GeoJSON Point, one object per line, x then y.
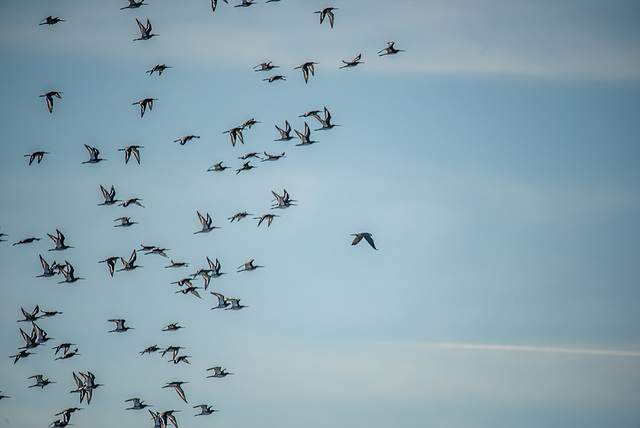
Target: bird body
{"type": "Point", "coordinates": [145, 31]}
{"type": "Point", "coordinates": [327, 12]}
{"type": "Point", "coordinates": [367, 237]}
{"type": "Point", "coordinates": [36, 156]}
{"type": "Point", "coordinates": [389, 50]}
{"type": "Point", "coordinates": [129, 150]}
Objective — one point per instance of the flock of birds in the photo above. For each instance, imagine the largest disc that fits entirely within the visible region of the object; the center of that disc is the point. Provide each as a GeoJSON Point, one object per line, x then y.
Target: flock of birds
{"type": "Point", "coordinates": [86, 382]}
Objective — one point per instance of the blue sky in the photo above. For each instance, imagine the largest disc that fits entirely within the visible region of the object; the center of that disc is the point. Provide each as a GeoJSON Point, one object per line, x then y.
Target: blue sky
{"type": "Point", "coordinates": [495, 162]}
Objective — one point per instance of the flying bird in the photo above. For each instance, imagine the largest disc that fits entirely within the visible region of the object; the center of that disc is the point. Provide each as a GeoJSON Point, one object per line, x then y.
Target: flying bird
{"type": "Point", "coordinates": [272, 157]}
{"type": "Point", "coordinates": [238, 216]}
{"type": "Point", "coordinates": [326, 122]}
{"type": "Point", "coordinates": [265, 66]}
{"type": "Point", "coordinates": [245, 3]}
{"type": "Point", "coordinates": [159, 68]}
{"type": "Point", "coordinates": [36, 156]}
{"type": "Point", "coordinates": [275, 77]}
{"type": "Point", "coordinates": [223, 302]}
{"type": "Point", "coordinates": [218, 372]}
{"type": "Point", "coordinates": [40, 381]}
{"type": "Point", "coordinates": [94, 155]}
{"type": "Point", "coordinates": [124, 222]}
{"type": "Point", "coordinates": [49, 97]}
{"type": "Point", "coordinates": [130, 264]}
{"type": "Point", "coordinates": [204, 410]}
{"type": "Point", "coordinates": [307, 68]}
{"type": "Point", "coordinates": [26, 241]}
{"type": "Point", "coordinates": [367, 237]}
{"type": "Point", "coordinates": [48, 271]}
{"type": "Point", "coordinates": [133, 4]}
{"type": "Point", "coordinates": [177, 264]}
{"type": "Point", "coordinates": [353, 62]}
{"type": "Point", "coordinates": [245, 167]}
{"type": "Point", "coordinates": [111, 263]}
{"type": "Point", "coordinates": [214, 4]}
{"type": "Point", "coordinates": [120, 327]}
{"type": "Point", "coordinates": [177, 385]}
{"type": "Point", "coordinates": [135, 201]}
{"type": "Point", "coordinates": [284, 133]}
{"type": "Point", "coordinates": [50, 20]}
{"type": "Point", "coordinates": [145, 31]}
{"type": "Point", "coordinates": [248, 266]}
{"type": "Point", "coordinates": [68, 272]}
{"type": "Point", "coordinates": [283, 201]}
{"type": "Point", "coordinates": [235, 133]}
{"type": "Point", "coordinates": [58, 241]}
{"type": "Point", "coordinates": [206, 223]}
{"type": "Point", "coordinates": [137, 404]}
{"type": "Point", "coordinates": [268, 217]}
{"type": "Point", "coordinates": [109, 197]}
{"type": "Point", "coordinates": [183, 140]}
{"type": "Point", "coordinates": [129, 150]}
{"type": "Point", "coordinates": [144, 103]}
{"type": "Point", "coordinates": [305, 139]}
{"type": "Point", "coordinates": [327, 12]}
{"type": "Point", "coordinates": [389, 50]}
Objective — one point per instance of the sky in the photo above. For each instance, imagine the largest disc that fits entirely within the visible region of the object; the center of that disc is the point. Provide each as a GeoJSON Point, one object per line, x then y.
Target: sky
{"type": "Point", "coordinates": [495, 161]}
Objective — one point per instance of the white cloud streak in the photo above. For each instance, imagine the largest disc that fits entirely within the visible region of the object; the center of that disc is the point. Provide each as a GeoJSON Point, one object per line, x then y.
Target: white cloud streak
{"type": "Point", "coordinates": [523, 348]}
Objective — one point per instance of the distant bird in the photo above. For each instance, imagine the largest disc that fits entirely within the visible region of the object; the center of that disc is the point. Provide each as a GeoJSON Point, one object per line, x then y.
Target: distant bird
{"type": "Point", "coordinates": [159, 251]}
{"type": "Point", "coordinates": [133, 4]}
{"type": "Point", "coordinates": [30, 316]}
{"type": "Point", "coordinates": [167, 416]}
{"type": "Point", "coordinates": [48, 271]}
{"type": "Point", "coordinates": [58, 240]}
{"type": "Point", "coordinates": [183, 140]}
{"type": "Point", "coordinates": [177, 359]}
{"type": "Point", "coordinates": [177, 264]}
{"type": "Point", "coordinates": [249, 123]}
{"type": "Point", "coordinates": [111, 263]}
{"type": "Point", "coordinates": [214, 268]}
{"type": "Point", "coordinates": [177, 385]}
{"type": "Point", "coordinates": [172, 327]}
{"type": "Point", "coordinates": [94, 154]}
{"type": "Point", "coordinates": [214, 4]}
{"type": "Point", "coordinates": [283, 201]}
{"type": "Point", "coordinates": [172, 349]}
{"type": "Point", "coordinates": [248, 266]}
{"type": "Point", "coordinates": [275, 78]}
{"type": "Point", "coordinates": [47, 314]}
{"type": "Point", "coordinates": [310, 113]}
{"type": "Point", "coordinates": [36, 155]}
{"type": "Point", "coordinates": [245, 167]}
{"type": "Point", "coordinates": [130, 264]}
{"type": "Point", "coordinates": [235, 305]}
{"type": "Point", "coordinates": [50, 20]}
{"type": "Point", "coordinates": [217, 167]}
{"type": "Point", "coordinates": [129, 150]}
{"type": "Point", "coordinates": [265, 66]}
{"type": "Point", "coordinates": [327, 12]}
{"type": "Point", "coordinates": [249, 155]}
{"type": "Point", "coordinates": [389, 50]}
{"type": "Point", "coordinates": [238, 216]}
{"type": "Point", "coordinates": [218, 372]}
{"type": "Point", "coordinates": [204, 410]}
{"type": "Point", "coordinates": [284, 133]}
{"type": "Point", "coordinates": [22, 354]}
{"type": "Point", "coordinates": [305, 139]}
{"type": "Point", "coordinates": [272, 157]}
{"type": "Point", "coordinates": [235, 133]}
{"type": "Point", "coordinates": [137, 404]}
{"type": "Point", "coordinates": [190, 289]}
{"type": "Point", "coordinates": [206, 223]}
{"type": "Point", "coordinates": [39, 381]}
{"type": "Point", "coordinates": [367, 237]}
{"type": "Point", "coordinates": [353, 62]}
{"type": "Point", "coordinates": [223, 302]}
{"type": "Point", "coordinates": [64, 347]}
{"type": "Point", "coordinates": [149, 350]}
{"type": "Point", "coordinates": [39, 335]}
{"type": "Point", "coordinates": [68, 272]}
{"type": "Point", "coordinates": [124, 222]}
{"type": "Point", "coordinates": [145, 31]}
{"type": "Point", "coordinates": [3, 396]}
{"type": "Point", "coordinates": [109, 197]}
{"type": "Point", "coordinates": [159, 68]}
{"type": "Point", "coordinates": [135, 201]}
{"type": "Point", "coordinates": [26, 241]}
{"type": "Point", "coordinates": [307, 68]}
{"type": "Point", "coordinates": [120, 327]}
{"type": "Point", "coordinates": [68, 354]}
{"type": "Point", "coordinates": [144, 103]}
{"type": "Point", "coordinates": [245, 3]}
{"type": "Point", "coordinates": [268, 217]}
{"type": "Point", "coordinates": [29, 339]}
{"type": "Point", "coordinates": [326, 122]}
{"type": "Point", "coordinates": [49, 97]}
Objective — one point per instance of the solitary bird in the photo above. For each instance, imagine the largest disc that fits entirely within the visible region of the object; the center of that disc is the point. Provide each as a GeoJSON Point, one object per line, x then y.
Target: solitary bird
{"type": "Point", "coordinates": [36, 156]}
{"type": "Point", "coordinates": [144, 103]}
{"type": "Point", "coordinates": [183, 140]}
{"type": "Point", "coordinates": [50, 20]}
{"type": "Point", "coordinates": [248, 266]}
{"type": "Point", "coordinates": [353, 62]}
{"type": "Point", "coordinates": [305, 139]}
{"type": "Point", "coordinates": [284, 133]}
{"type": "Point", "coordinates": [159, 68]}
{"type": "Point", "coordinates": [177, 385]}
{"type": "Point", "coordinates": [59, 241]}
{"type": "Point", "coordinates": [367, 237]}
{"type": "Point", "coordinates": [133, 4]}
{"type": "Point", "coordinates": [94, 154]}
{"type": "Point", "coordinates": [327, 12]}
{"type": "Point", "coordinates": [204, 410]}
{"type": "Point", "coordinates": [49, 97]}
{"type": "Point", "coordinates": [130, 264]}
{"type": "Point", "coordinates": [307, 68]}
{"type": "Point", "coordinates": [265, 66]}
{"type": "Point", "coordinates": [120, 327]}
{"type": "Point", "coordinates": [109, 197]}
{"type": "Point", "coordinates": [389, 50]}
{"type": "Point", "coordinates": [39, 381]}
{"type": "Point", "coordinates": [131, 150]}
{"type": "Point", "coordinates": [206, 223]}
{"type": "Point", "coordinates": [145, 31]}
{"type": "Point", "coordinates": [217, 167]}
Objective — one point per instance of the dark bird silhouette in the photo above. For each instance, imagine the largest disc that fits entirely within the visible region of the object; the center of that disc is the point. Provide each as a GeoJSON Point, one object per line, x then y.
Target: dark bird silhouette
{"type": "Point", "coordinates": [49, 97]}
{"type": "Point", "coordinates": [367, 237]}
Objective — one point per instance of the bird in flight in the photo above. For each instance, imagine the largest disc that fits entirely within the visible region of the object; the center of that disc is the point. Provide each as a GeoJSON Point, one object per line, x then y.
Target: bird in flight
{"type": "Point", "coordinates": [389, 50]}
{"type": "Point", "coordinates": [367, 237]}
{"type": "Point", "coordinates": [144, 103]}
{"type": "Point", "coordinates": [327, 12]}
{"type": "Point", "coordinates": [50, 20]}
{"type": "Point", "coordinates": [284, 133]}
{"type": "Point", "coordinates": [94, 154]}
{"type": "Point", "coordinates": [183, 140]}
{"type": "Point", "coordinates": [36, 156]}
{"type": "Point", "coordinates": [49, 97]}
{"type": "Point", "coordinates": [353, 62]}
{"type": "Point", "coordinates": [206, 223]}
{"type": "Point", "coordinates": [265, 66]}
{"type": "Point", "coordinates": [159, 68]}
{"type": "Point", "coordinates": [307, 68]}
{"type": "Point", "coordinates": [133, 4]}
{"type": "Point", "coordinates": [145, 31]}
{"type": "Point", "coordinates": [129, 150]}
{"type": "Point", "coordinates": [109, 197]}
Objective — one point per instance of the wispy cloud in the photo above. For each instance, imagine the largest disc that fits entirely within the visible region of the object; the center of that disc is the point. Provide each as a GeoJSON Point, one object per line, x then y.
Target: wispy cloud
{"type": "Point", "coordinates": [522, 348]}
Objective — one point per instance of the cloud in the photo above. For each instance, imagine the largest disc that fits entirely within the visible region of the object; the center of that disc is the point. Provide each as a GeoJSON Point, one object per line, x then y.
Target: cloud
{"type": "Point", "coordinates": [546, 349]}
